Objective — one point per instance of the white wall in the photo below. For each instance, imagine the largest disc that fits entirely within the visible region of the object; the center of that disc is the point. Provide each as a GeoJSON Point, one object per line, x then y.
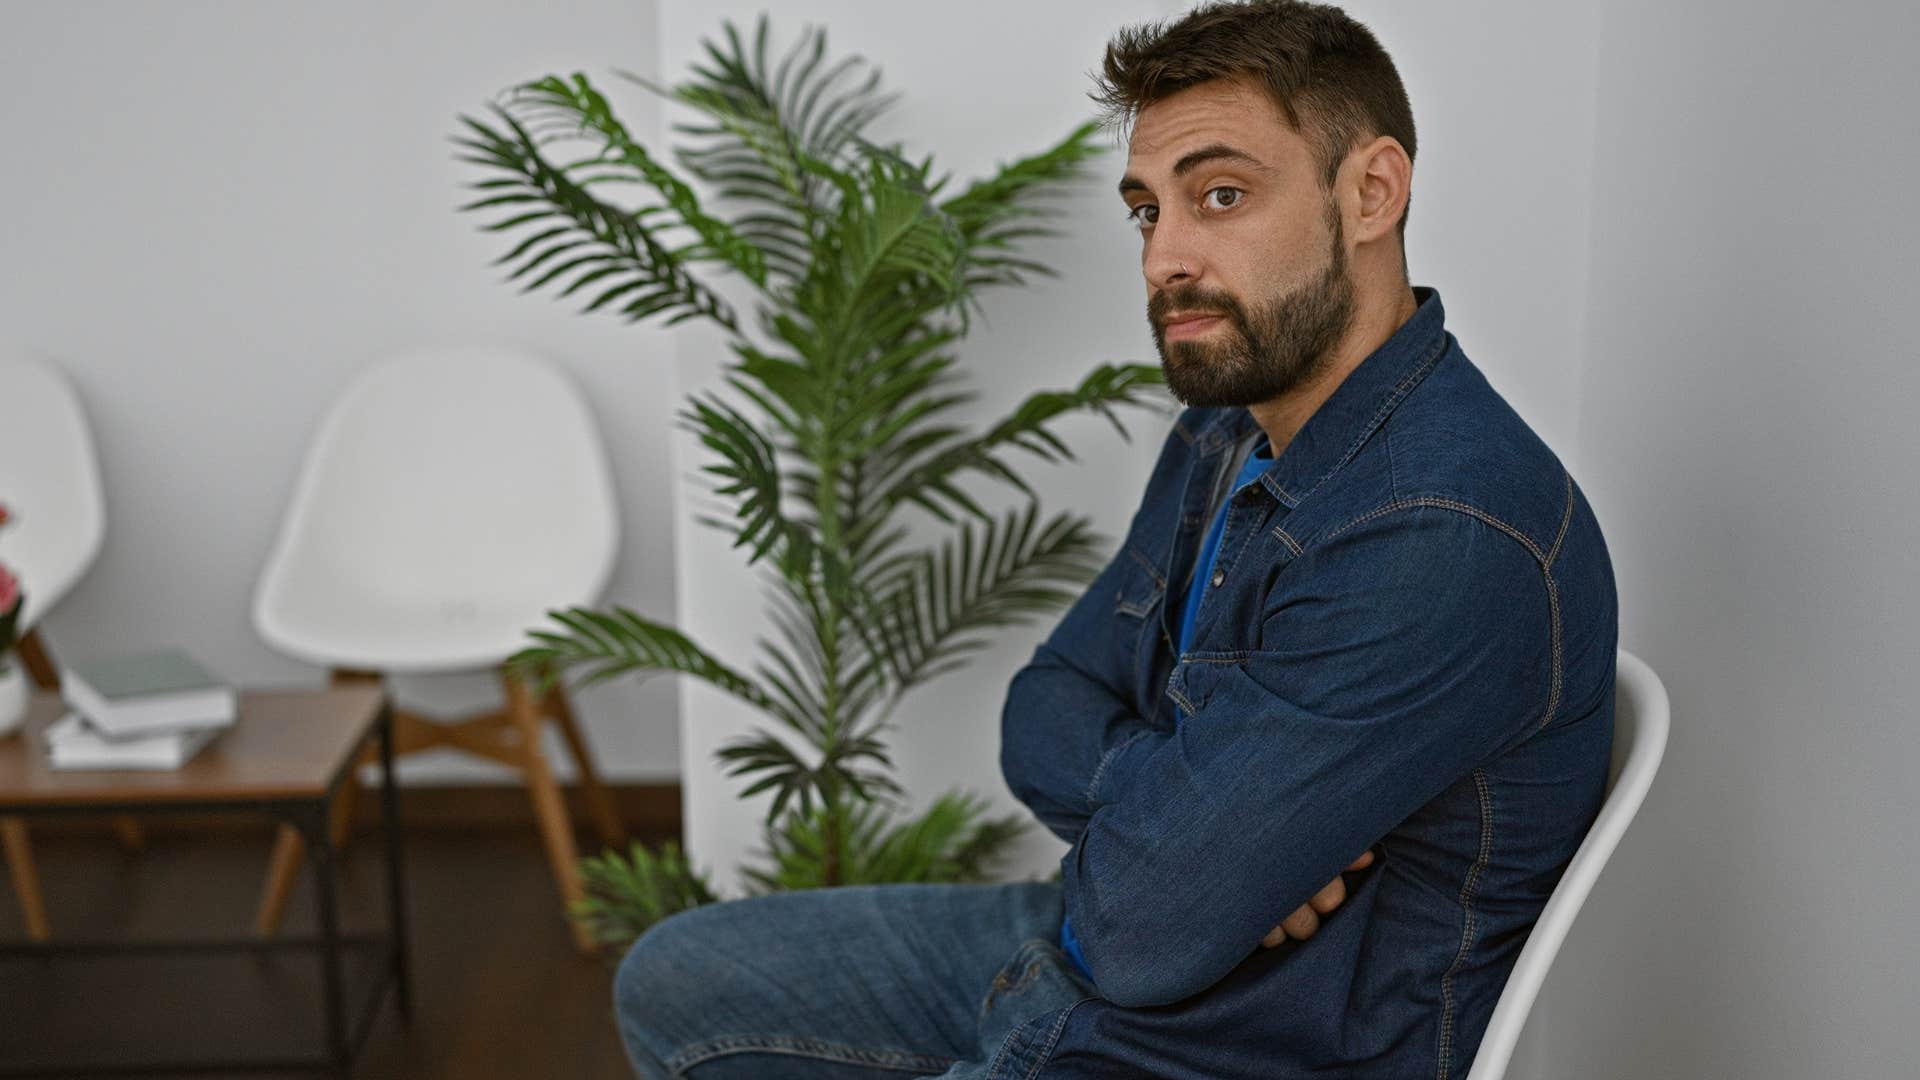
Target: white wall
{"type": "Point", "coordinates": [218, 213]}
{"type": "Point", "coordinates": [1746, 414]}
{"type": "Point", "coordinates": [1499, 226]}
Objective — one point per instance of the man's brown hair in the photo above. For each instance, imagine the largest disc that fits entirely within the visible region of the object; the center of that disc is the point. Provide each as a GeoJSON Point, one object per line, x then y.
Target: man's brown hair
{"type": "Point", "coordinates": [1333, 81]}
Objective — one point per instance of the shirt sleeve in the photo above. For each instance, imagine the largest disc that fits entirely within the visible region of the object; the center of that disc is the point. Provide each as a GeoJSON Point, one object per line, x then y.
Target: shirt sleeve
{"type": "Point", "coordinates": [1393, 658]}
{"type": "Point", "coordinates": [1067, 715]}
{"type": "Point", "coordinates": [1070, 710]}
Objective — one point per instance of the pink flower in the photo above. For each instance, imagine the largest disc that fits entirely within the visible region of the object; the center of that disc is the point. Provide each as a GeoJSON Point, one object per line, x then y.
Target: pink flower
{"type": "Point", "coordinates": [9, 591]}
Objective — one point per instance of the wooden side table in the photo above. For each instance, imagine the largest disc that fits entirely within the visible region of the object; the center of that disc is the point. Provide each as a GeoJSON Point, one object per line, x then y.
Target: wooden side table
{"type": "Point", "coordinates": [286, 757]}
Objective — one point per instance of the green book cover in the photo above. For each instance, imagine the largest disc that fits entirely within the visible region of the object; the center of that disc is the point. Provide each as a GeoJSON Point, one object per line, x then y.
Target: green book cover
{"type": "Point", "coordinates": [119, 678]}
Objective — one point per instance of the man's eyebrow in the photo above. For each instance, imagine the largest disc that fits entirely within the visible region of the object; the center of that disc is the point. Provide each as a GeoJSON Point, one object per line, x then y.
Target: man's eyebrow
{"type": "Point", "coordinates": [1194, 159]}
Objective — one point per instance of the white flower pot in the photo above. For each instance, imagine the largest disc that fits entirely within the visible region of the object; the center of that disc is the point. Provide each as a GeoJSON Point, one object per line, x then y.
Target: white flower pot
{"type": "Point", "coordinates": [14, 691]}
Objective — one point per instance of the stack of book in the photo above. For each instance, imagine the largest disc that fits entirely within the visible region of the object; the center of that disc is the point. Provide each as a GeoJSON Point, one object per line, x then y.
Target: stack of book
{"type": "Point", "coordinates": [151, 710]}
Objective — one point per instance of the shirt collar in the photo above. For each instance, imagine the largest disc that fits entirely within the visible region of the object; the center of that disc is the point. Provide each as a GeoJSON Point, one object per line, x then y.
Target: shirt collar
{"type": "Point", "coordinates": [1355, 409]}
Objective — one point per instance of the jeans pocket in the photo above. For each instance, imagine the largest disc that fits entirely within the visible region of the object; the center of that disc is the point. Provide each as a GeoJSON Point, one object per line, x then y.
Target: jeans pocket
{"type": "Point", "coordinates": [1037, 979]}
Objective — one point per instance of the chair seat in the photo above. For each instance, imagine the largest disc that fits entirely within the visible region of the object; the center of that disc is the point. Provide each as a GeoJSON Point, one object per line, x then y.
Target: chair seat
{"type": "Point", "coordinates": [357, 632]}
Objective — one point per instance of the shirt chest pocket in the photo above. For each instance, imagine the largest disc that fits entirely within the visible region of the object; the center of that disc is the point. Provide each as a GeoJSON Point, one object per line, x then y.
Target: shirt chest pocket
{"type": "Point", "coordinates": [1141, 590]}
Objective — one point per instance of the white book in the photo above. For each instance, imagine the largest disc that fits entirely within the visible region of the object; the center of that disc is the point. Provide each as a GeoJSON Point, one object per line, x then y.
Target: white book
{"type": "Point", "coordinates": [148, 693]}
{"type": "Point", "coordinates": [72, 744]}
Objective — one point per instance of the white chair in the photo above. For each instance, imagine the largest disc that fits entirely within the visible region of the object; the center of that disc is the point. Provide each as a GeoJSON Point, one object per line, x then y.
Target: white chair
{"type": "Point", "coordinates": [50, 480]}
{"type": "Point", "coordinates": [1639, 741]}
{"type": "Point", "coordinates": [448, 501]}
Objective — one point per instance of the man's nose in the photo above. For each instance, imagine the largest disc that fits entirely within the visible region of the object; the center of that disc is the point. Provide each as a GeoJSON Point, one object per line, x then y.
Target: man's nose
{"type": "Point", "coordinates": [1171, 258]}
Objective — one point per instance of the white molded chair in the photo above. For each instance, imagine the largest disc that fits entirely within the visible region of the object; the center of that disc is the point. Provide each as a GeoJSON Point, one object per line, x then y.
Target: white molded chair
{"type": "Point", "coordinates": [50, 480]}
{"type": "Point", "coordinates": [1639, 741]}
{"type": "Point", "coordinates": [448, 501]}
{"type": "Point", "coordinates": [50, 477]}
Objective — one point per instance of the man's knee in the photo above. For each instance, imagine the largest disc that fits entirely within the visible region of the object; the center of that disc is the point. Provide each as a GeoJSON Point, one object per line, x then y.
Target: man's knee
{"type": "Point", "coordinates": [655, 985]}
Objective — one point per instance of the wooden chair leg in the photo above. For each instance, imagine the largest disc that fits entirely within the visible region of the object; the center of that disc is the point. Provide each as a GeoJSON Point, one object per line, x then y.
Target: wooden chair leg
{"type": "Point", "coordinates": [548, 807]}
{"type": "Point", "coordinates": [283, 871]}
{"type": "Point", "coordinates": [613, 832]}
{"type": "Point", "coordinates": [26, 880]}
{"type": "Point", "coordinates": [33, 655]}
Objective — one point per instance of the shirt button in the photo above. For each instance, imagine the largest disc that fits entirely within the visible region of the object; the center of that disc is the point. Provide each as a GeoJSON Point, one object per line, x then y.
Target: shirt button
{"type": "Point", "coordinates": [1219, 578]}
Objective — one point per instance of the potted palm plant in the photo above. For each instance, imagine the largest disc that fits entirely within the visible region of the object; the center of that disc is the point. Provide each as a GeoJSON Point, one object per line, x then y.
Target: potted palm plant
{"type": "Point", "coordinates": [837, 421]}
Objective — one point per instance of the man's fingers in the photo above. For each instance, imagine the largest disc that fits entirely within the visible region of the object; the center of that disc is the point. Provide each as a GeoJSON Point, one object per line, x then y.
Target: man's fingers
{"type": "Point", "coordinates": [1302, 923]}
{"type": "Point", "coordinates": [1330, 897]}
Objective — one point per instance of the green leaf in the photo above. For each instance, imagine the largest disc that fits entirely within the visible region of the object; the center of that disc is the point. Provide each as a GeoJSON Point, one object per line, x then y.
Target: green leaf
{"type": "Point", "coordinates": [626, 895]}
{"type": "Point", "coordinates": [572, 218]}
{"type": "Point", "coordinates": [927, 484]}
{"type": "Point", "coordinates": [577, 103]}
{"type": "Point", "coordinates": [929, 609]}
{"type": "Point", "coordinates": [605, 644]}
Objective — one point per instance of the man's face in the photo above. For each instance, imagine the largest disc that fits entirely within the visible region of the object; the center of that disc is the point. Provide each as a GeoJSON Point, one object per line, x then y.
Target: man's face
{"type": "Point", "coordinates": [1243, 251]}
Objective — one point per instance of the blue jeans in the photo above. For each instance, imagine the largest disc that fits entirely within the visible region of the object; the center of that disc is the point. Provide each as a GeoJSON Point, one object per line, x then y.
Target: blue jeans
{"type": "Point", "coordinates": [855, 982]}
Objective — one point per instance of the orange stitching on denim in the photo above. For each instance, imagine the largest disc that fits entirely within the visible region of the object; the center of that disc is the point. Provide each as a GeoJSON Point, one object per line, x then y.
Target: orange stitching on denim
{"type": "Point", "coordinates": [1467, 890]}
{"type": "Point", "coordinates": [1546, 573]}
{"type": "Point", "coordinates": [1566, 518]}
{"type": "Point", "coordinates": [1106, 760]}
{"type": "Point", "coordinates": [1280, 533]}
{"type": "Point", "coordinates": [1053, 1038]}
{"type": "Point", "coordinates": [804, 1047]}
{"type": "Point", "coordinates": [1148, 563]}
{"type": "Point", "coordinates": [1449, 504]}
{"type": "Point", "coordinates": [1413, 375]}
{"type": "Point", "coordinates": [1553, 687]}
{"type": "Point", "coordinates": [1234, 657]}
{"type": "Point", "coordinates": [1181, 700]}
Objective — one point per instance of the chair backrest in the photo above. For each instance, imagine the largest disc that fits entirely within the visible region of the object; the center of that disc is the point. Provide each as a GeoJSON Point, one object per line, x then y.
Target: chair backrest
{"type": "Point", "coordinates": [50, 483]}
{"type": "Point", "coordinates": [1639, 741]}
{"type": "Point", "coordinates": [470, 473]}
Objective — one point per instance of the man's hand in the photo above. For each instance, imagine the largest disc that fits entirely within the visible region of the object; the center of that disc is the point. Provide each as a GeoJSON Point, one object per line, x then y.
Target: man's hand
{"type": "Point", "coordinates": [1302, 923]}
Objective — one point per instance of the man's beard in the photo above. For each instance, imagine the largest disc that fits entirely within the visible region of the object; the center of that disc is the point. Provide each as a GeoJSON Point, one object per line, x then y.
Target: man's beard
{"type": "Point", "coordinates": [1256, 356]}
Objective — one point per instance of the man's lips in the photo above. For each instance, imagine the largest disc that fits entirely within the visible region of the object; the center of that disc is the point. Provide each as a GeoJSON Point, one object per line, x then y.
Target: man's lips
{"type": "Point", "coordinates": [1189, 323]}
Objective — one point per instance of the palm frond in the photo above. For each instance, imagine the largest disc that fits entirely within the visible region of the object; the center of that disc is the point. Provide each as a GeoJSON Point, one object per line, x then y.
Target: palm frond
{"type": "Point", "coordinates": [952, 841]}
{"type": "Point", "coordinates": [929, 608]}
{"type": "Point", "coordinates": [748, 470]}
{"type": "Point", "coordinates": [605, 644]}
{"type": "Point", "coordinates": [998, 214]}
{"type": "Point", "coordinates": [929, 483]}
{"type": "Point", "coordinates": [838, 772]}
{"type": "Point", "coordinates": [578, 238]}
{"type": "Point", "coordinates": [626, 895]}
{"type": "Point", "coordinates": [763, 125]}
{"type": "Point", "coordinates": [574, 107]}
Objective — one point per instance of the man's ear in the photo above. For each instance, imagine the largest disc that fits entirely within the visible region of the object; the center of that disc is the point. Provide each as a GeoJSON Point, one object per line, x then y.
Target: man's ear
{"type": "Point", "coordinates": [1381, 176]}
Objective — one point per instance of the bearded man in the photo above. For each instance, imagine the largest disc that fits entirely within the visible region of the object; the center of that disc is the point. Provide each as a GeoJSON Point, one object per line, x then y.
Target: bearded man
{"type": "Point", "coordinates": [1325, 733]}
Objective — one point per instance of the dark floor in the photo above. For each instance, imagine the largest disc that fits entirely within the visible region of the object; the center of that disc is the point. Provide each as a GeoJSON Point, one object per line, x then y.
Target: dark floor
{"type": "Point", "coordinates": [498, 989]}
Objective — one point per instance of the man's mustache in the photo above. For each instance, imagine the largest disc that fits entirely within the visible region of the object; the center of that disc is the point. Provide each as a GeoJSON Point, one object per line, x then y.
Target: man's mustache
{"type": "Point", "coordinates": [1190, 303]}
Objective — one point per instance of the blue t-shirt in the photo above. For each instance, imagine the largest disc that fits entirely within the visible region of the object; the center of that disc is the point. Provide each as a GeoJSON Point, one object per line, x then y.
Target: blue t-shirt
{"type": "Point", "coordinates": [1250, 471]}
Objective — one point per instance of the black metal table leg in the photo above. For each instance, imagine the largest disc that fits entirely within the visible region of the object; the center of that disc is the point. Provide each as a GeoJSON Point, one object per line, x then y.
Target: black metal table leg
{"type": "Point", "coordinates": [396, 891]}
{"type": "Point", "coordinates": [320, 850]}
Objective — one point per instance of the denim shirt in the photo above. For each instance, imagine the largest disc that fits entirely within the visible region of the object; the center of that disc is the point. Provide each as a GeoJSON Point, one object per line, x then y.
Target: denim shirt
{"type": "Point", "coordinates": [1406, 645]}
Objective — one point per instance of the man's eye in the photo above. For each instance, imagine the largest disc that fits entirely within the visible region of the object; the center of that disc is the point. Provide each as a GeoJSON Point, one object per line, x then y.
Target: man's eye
{"type": "Point", "coordinates": [1228, 196]}
{"type": "Point", "coordinates": [1143, 215]}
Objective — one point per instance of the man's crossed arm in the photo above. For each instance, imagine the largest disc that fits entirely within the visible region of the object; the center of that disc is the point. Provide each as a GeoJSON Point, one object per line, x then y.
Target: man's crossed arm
{"type": "Point", "coordinates": [1396, 658]}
